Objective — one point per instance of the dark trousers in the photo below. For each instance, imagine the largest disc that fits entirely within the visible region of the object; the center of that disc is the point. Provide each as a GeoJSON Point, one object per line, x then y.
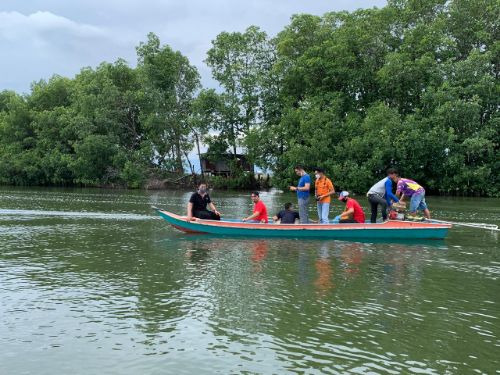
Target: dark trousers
{"type": "Point", "coordinates": [376, 200]}
{"type": "Point", "coordinates": [344, 221]}
{"type": "Point", "coordinates": [206, 215]}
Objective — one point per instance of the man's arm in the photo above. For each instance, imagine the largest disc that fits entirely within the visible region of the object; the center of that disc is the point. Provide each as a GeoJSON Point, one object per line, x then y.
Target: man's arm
{"type": "Point", "coordinates": [189, 215]}
{"type": "Point", "coordinates": [212, 206]}
{"type": "Point", "coordinates": [306, 187]}
{"type": "Point", "coordinates": [327, 194]}
{"type": "Point", "coordinates": [253, 216]}
{"type": "Point", "coordinates": [389, 197]}
{"type": "Point", "coordinates": [347, 214]}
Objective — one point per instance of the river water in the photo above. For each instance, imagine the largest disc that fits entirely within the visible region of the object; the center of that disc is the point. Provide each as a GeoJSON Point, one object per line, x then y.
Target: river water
{"type": "Point", "coordinates": [92, 282]}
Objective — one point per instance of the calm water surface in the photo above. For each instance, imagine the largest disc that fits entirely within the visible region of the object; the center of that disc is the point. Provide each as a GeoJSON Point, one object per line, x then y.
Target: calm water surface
{"type": "Point", "coordinates": [92, 282]}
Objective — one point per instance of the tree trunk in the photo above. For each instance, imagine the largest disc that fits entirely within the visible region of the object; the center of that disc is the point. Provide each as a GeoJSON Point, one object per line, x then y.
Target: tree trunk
{"type": "Point", "coordinates": [178, 155]}
{"type": "Point", "coordinates": [234, 139]}
{"type": "Point", "coordinates": [197, 140]}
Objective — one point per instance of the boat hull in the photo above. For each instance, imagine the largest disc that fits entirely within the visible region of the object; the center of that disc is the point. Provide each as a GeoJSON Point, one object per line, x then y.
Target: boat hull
{"type": "Point", "coordinates": [386, 230]}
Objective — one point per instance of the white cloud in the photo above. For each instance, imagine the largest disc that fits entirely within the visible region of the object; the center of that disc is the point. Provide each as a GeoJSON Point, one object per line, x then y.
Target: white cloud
{"type": "Point", "coordinates": [14, 25]}
{"type": "Point", "coordinates": [39, 38]}
{"type": "Point", "coordinates": [41, 44]}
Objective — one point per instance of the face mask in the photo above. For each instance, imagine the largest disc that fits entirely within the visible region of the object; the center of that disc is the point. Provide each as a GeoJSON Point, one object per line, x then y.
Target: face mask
{"type": "Point", "coordinates": [317, 176]}
{"type": "Point", "coordinates": [202, 191]}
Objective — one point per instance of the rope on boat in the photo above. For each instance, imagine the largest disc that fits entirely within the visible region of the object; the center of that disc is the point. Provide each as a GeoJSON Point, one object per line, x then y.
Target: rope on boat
{"type": "Point", "coordinates": [491, 227]}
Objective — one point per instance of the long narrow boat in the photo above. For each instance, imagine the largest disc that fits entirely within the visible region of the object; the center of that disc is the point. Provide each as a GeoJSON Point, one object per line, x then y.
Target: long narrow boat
{"type": "Point", "coordinates": [387, 230]}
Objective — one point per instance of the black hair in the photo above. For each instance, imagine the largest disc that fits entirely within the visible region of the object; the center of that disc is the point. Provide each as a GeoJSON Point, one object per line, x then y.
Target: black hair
{"type": "Point", "coordinates": [288, 205]}
{"type": "Point", "coordinates": [318, 169]}
{"type": "Point", "coordinates": [298, 166]}
{"type": "Point", "coordinates": [255, 193]}
{"type": "Point", "coordinates": [392, 171]}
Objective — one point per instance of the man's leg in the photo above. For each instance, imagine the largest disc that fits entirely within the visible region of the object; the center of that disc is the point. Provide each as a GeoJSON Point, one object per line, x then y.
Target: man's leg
{"type": "Point", "coordinates": [303, 214]}
{"type": "Point", "coordinates": [320, 211]}
{"type": "Point", "coordinates": [324, 213]}
{"type": "Point", "coordinates": [373, 206]}
{"type": "Point", "coordinates": [423, 206]}
{"type": "Point", "coordinates": [346, 221]}
{"type": "Point", "coordinates": [323, 209]}
{"type": "Point", "coordinates": [383, 207]}
{"type": "Point", "coordinates": [415, 201]}
{"type": "Point", "coordinates": [206, 215]}
{"type": "Point", "coordinates": [375, 201]}
{"type": "Point", "coordinates": [214, 216]}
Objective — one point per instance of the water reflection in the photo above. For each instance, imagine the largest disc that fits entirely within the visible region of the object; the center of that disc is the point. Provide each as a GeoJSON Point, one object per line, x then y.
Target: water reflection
{"type": "Point", "coordinates": [323, 265]}
{"type": "Point", "coordinates": [352, 254]}
{"type": "Point", "coordinates": [315, 265]}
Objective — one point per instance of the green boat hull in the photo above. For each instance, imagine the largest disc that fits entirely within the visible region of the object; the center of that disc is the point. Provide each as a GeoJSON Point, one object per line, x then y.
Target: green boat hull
{"type": "Point", "coordinates": [387, 230]}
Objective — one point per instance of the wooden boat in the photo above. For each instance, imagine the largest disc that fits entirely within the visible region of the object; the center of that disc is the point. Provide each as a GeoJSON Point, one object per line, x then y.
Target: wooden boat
{"type": "Point", "coordinates": [387, 230]}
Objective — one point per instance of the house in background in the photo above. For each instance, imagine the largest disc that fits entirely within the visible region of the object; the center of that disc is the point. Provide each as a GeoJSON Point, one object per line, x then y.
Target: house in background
{"type": "Point", "coordinates": [219, 165]}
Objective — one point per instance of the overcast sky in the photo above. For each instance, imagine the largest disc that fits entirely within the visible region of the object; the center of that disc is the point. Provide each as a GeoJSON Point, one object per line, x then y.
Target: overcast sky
{"type": "Point", "coordinates": [39, 38]}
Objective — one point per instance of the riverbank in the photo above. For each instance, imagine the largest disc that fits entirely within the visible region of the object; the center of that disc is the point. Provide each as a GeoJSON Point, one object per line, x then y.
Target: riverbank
{"type": "Point", "coordinates": [245, 181]}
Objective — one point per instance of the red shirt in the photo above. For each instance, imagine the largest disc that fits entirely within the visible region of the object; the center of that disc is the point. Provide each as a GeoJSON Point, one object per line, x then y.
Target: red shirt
{"type": "Point", "coordinates": [260, 207]}
{"type": "Point", "coordinates": [358, 215]}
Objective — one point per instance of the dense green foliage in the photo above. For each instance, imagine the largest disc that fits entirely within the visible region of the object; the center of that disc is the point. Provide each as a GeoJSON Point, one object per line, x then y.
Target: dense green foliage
{"type": "Point", "coordinates": [109, 125]}
{"type": "Point", "coordinates": [412, 85]}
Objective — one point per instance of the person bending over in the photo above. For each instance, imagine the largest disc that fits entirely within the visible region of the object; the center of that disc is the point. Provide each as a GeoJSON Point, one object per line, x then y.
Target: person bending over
{"type": "Point", "coordinates": [353, 213]}
{"type": "Point", "coordinates": [416, 193]}
{"type": "Point", "coordinates": [288, 215]}
{"type": "Point", "coordinates": [381, 195]}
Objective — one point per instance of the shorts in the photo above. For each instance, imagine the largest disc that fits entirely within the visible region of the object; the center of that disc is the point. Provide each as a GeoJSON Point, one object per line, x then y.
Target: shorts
{"type": "Point", "coordinates": [417, 202]}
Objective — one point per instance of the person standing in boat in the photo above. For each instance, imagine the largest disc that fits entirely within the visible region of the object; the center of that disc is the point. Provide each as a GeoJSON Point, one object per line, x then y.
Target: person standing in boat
{"type": "Point", "coordinates": [259, 210]}
{"type": "Point", "coordinates": [410, 188]}
{"type": "Point", "coordinates": [353, 213]}
{"type": "Point", "coordinates": [197, 205]}
{"type": "Point", "coordinates": [302, 190]}
{"type": "Point", "coordinates": [381, 195]}
{"type": "Point", "coordinates": [288, 215]}
{"type": "Point", "coordinates": [323, 190]}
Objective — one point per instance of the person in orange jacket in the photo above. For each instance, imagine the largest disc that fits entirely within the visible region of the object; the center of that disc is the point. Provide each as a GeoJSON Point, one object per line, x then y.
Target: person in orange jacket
{"type": "Point", "coordinates": [324, 189]}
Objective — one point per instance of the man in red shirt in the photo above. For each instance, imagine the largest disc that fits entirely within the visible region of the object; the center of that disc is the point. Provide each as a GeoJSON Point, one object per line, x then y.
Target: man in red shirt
{"type": "Point", "coordinates": [353, 212]}
{"type": "Point", "coordinates": [259, 210]}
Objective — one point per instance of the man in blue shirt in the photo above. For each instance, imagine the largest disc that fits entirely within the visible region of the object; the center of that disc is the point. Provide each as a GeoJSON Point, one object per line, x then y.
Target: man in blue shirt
{"type": "Point", "coordinates": [381, 195]}
{"type": "Point", "coordinates": [302, 190]}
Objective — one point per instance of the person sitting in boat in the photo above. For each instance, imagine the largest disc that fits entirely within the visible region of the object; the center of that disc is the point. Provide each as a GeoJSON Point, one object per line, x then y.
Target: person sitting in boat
{"type": "Point", "coordinates": [259, 210]}
{"type": "Point", "coordinates": [197, 205]}
{"type": "Point", "coordinates": [410, 188]}
{"type": "Point", "coordinates": [353, 213]}
{"type": "Point", "coordinates": [288, 215]}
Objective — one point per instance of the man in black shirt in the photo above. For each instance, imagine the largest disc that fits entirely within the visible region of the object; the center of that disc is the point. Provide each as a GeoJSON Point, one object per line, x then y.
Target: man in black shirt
{"type": "Point", "coordinates": [288, 215]}
{"type": "Point", "coordinates": [197, 206]}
